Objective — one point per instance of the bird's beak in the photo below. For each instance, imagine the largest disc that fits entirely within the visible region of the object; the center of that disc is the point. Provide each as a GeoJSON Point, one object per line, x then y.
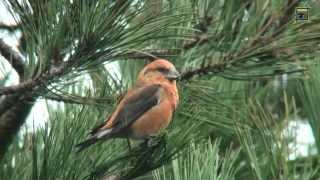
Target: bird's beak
{"type": "Point", "coordinates": [173, 75]}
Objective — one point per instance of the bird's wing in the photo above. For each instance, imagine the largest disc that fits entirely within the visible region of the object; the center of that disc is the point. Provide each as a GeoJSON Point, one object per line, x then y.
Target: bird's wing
{"type": "Point", "coordinates": [132, 107]}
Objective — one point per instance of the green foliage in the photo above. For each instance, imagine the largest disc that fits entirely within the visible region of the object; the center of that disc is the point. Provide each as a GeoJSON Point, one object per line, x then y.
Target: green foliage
{"type": "Point", "coordinates": [232, 119]}
{"type": "Point", "coordinates": [49, 152]}
{"type": "Point", "coordinates": [310, 100]}
{"type": "Point", "coordinates": [203, 161]}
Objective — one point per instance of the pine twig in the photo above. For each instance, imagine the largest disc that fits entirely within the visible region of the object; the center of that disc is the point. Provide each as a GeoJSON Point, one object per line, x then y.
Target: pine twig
{"type": "Point", "coordinates": [151, 54]}
{"type": "Point", "coordinates": [214, 69]}
{"type": "Point", "coordinates": [34, 83]}
{"type": "Point", "coordinates": [12, 57]}
{"type": "Point", "coordinates": [10, 28]}
{"type": "Point", "coordinates": [77, 99]}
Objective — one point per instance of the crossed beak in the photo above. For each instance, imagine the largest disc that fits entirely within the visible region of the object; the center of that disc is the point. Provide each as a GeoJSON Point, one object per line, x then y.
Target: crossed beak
{"type": "Point", "coordinates": [173, 75]}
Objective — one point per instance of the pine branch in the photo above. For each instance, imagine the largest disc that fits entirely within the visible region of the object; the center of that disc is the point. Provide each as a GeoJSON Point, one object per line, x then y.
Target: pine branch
{"type": "Point", "coordinates": [201, 37]}
{"type": "Point", "coordinates": [33, 83]}
{"type": "Point", "coordinates": [289, 10]}
{"type": "Point", "coordinates": [10, 28]}
{"type": "Point", "coordinates": [282, 20]}
{"type": "Point", "coordinates": [204, 70]}
{"type": "Point", "coordinates": [55, 72]}
{"type": "Point", "coordinates": [258, 40]}
{"type": "Point", "coordinates": [78, 99]}
{"type": "Point", "coordinates": [151, 54]}
{"type": "Point", "coordinates": [14, 110]}
{"type": "Point", "coordinates": [197, 40]}
{"type": "Point", "coordinates": [12, 57]}
{"type": "Point", "coordinates": [217, 69]}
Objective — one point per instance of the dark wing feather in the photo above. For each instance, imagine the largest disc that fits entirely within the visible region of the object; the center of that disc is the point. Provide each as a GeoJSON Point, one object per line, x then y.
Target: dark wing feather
{"type": "Point", "coordinates": [96, 128]}
{"type": "Point", "coordinates": [136, 106]}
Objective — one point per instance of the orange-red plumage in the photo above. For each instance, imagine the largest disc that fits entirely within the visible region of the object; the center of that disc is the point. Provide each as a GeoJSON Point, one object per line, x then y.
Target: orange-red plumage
{"type": "Point", "coordinates": [146, 109]}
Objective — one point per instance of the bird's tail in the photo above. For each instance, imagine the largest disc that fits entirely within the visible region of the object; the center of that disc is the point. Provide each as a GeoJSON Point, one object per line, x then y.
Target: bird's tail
{"type": "Point", "coordinates": [99, 135]}
{"type": "Point", "coordinates": [86, 143]}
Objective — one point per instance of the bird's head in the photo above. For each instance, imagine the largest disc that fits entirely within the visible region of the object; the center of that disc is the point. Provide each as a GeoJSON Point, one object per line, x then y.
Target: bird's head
{"type": "Point", "coordinates": [160, 71]}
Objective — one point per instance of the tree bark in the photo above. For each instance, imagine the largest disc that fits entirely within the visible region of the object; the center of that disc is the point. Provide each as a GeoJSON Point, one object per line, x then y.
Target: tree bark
{"type": "Point", "coordinates": [13, 111]}
{"type": "Point", "coordinates": [12, 57]}
{"type": "Point", "coordinates": [14, 108]}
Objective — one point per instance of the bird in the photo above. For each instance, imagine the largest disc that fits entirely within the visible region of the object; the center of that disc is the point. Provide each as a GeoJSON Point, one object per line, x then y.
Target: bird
{"type": "Point", "coordinates": [145, 109]}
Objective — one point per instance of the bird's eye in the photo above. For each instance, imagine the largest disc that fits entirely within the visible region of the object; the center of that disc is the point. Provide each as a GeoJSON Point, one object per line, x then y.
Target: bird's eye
{"type": "Point", "coordinates": [163, 70]}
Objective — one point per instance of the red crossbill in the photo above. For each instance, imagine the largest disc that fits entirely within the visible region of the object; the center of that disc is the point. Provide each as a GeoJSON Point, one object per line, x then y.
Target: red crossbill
{"type": "Point", "coordinates": [146, 109]}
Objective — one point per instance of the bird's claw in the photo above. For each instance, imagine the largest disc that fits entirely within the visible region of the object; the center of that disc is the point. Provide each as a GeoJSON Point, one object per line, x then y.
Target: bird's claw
{"type": "Point", "coordinates": [153, 141]}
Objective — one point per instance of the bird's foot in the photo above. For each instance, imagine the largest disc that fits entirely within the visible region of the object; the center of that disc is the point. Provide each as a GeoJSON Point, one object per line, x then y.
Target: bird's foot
{"type": "Point", "coordinates": [153, 141]}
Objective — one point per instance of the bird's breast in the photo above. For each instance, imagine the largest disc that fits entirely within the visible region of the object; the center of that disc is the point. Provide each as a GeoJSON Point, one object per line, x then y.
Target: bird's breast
{"type": "Point", "coordinates": [152, 121]}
